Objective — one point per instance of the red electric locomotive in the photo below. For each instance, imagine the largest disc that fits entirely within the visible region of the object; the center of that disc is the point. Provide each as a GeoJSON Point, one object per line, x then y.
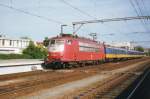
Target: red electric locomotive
{"type": "Point", "coordinates": [67, 50]}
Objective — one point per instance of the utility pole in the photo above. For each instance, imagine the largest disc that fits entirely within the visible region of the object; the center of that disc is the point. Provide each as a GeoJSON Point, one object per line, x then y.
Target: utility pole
{"type": "Point", "coordinates": [62, 28]}
{"type": "Point", "coordinates": [93, 35]}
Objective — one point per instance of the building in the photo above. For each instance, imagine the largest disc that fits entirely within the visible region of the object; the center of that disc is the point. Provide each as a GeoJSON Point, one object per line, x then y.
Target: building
{"type": "Point", "coordinates": [127, 45]}
{"type": "Point", "coordinates": [11, 45]}
{"type": "Point", "coordinates": [147, 50]}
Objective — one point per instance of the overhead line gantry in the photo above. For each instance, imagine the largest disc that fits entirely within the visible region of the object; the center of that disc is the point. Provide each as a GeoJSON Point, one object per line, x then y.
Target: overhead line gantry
{"type": "Point", "coordinates": [81, 23]}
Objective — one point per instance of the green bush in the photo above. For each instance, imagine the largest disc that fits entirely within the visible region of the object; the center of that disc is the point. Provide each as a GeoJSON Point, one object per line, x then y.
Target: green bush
{"type": "Point", "coordinates": [31, 52]}
{"type": "Point", "coordinates": [14, 56]}
{"type": "Point", "coordinates": [36, 52]}
{"type": "Point", "coordinates": [46, 41]}
{"type": "Point", "coordinates": [139, 48]}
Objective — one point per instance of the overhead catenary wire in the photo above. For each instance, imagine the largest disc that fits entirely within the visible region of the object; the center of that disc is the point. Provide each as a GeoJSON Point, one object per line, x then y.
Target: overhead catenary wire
{"type": "Point", "coordinates": [128, 33]}
{"type": "Point", "coordinates": [146, 10]}
{"type": "Point", "coordinates": [76, 8]}
{"type": "Point", "coordinates": [112, 20]}
{"type": "Point", "coordinates": [31, 14]}
{"type": "Point", "coordinates": [143, 22]}
{"type": "Point", "coordinates": [83, 12]}
{"type": "Point", "coordinates": [138, 6]}
{"type": "Point", "coordinates": [141, 13]}
{"type": "Point", "coordinates": [137, 13]}
{"type": "Point", "coordinates": [79, 10]}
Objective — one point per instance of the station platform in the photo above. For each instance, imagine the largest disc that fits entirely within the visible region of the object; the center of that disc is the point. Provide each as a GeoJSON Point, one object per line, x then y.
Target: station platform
{"type": "Point", "coordinates": [19, 65]}
{"type": "Point", "coordinates": [19, 62]}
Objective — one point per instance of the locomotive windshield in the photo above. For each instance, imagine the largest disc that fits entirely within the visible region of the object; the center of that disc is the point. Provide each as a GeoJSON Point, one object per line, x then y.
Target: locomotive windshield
{"type": "Point", "coordinates": [56, 42]}
{"type": "Point", "coordinates": [52, 42]}
{"type": "Point", "coordinates": [56, 45]}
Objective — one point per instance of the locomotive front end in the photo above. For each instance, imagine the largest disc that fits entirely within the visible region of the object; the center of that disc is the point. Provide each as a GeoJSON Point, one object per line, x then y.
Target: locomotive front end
{"type": "Point", "coordinates": [56, 48]}
{"type": "Point", "coordinates": [55, 52]}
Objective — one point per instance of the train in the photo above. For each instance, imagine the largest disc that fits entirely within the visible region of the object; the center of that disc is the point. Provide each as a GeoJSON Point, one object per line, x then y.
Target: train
{"type": "Point", "coordinates": [68, 50]}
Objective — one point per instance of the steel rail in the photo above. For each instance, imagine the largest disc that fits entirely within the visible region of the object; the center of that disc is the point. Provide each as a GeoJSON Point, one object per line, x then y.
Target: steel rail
{"type": "Point", "coordinates": [138, 85]}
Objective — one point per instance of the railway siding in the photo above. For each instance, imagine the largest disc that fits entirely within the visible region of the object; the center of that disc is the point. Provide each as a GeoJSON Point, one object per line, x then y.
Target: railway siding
{"type": "Point", "coordinates": [75, 89]}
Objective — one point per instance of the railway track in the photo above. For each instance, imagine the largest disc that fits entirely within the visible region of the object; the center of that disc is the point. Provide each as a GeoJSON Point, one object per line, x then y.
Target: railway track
{"type": "Point", "coordinates": [38, 80]}
{"type": "Point", "coordinates": [20, 75]}
{"type": "Point", "coordinates": [139, 89]}
{"type": "Point", "coordinates": [133, 94]}
{"type": "Point", "coordinates": [123, 84]}
{"type": "Point", "coordinates": [116, 87]}
{"type": "Point", "coordinates": [15, 90]}
{"type": "Point", "coordinates": [112, 87]}
{"type": "Point", "coordinates": [101, 67]}
{"type": "Point", "coordinates": [101, 90]}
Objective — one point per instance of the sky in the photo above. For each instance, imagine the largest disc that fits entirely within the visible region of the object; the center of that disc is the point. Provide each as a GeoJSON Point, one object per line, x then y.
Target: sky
{"type": "Point", "coordinates": [17, 24]}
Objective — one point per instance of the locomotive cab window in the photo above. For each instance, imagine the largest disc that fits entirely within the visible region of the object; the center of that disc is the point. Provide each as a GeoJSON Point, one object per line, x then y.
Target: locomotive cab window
{"type": "Point", "coordinates": [56, 42]}
{"type": "Point", "coordinates": [52, 42]}
{"type": "Point", "coordinates": [59, 42]}
{"type": "Point", "coordinates": [56, 45]}
{"type": "Point", "coordinates": [69, 42]}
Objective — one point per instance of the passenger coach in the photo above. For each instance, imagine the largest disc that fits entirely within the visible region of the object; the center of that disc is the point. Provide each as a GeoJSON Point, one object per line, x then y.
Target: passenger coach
{"type": "Point", "coordinates": [113, 53]}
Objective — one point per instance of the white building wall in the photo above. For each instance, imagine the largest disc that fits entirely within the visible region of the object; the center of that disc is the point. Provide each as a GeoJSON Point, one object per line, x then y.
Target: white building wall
{"type": "Point", "coordinates": [0, 42]}
{"type": "Point", "coordinates": [16, 46]}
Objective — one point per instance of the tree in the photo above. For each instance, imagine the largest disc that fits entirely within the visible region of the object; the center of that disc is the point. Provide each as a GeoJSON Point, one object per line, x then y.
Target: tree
{"type": "Point", "coordinates": [139, 48]}
{"type": "Point", "coordinates": [46, 41]}
{"type": "Point", "coordinates": [148, 53]}
{"type": "Point", "coordinates": [34, 51]}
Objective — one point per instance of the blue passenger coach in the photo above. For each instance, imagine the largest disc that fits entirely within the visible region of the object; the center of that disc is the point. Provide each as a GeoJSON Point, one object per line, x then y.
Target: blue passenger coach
{"type": "Point", "coordinates": [120, 53]}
